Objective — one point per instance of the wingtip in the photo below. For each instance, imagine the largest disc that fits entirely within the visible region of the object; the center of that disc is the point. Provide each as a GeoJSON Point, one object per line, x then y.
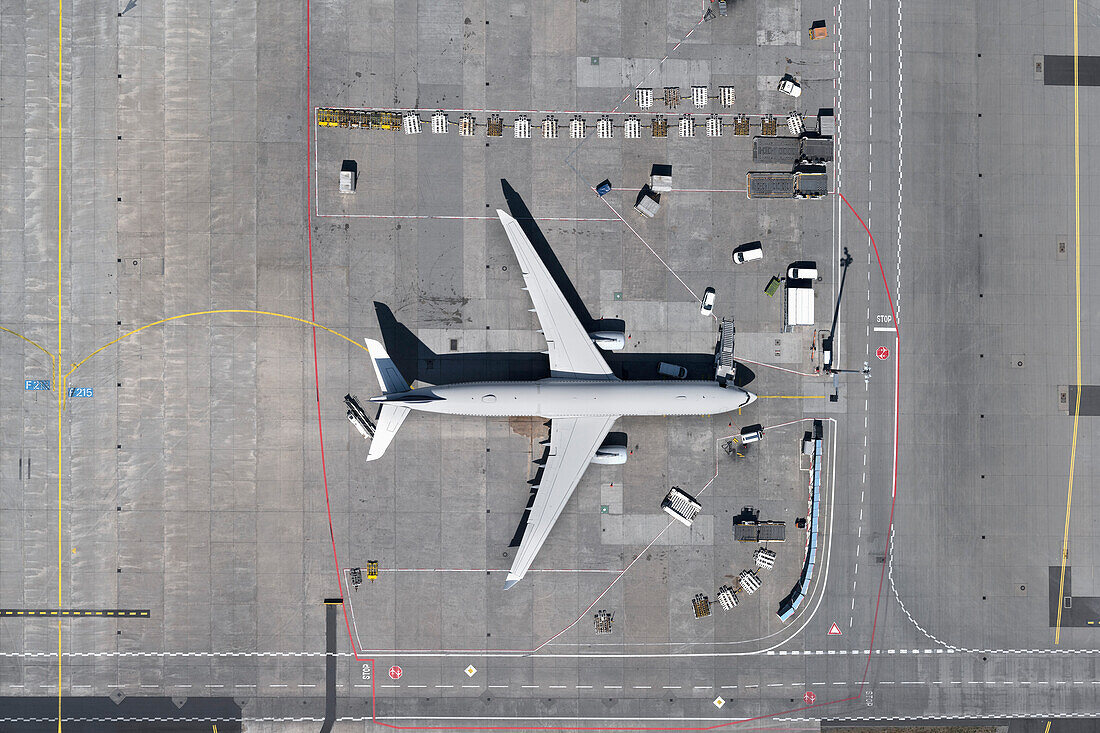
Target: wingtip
{"type": "Point", "coordinates": [504, 215]}
{"type": "Point", "coordinates": [510, 582]}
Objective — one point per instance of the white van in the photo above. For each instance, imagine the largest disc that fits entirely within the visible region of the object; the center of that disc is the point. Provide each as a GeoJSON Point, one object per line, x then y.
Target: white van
{"type": "Point", "coordinates": [706, 305]}
{"type": "Point", "coordinates": [752, 433]}
{"type": "Point", "coordinates": [789, 86]}
{"type": "Point", "coordinates": [802, 273]}
{"type": "Point", "coordinates": [748, 252]}
{"type": "Point", "coordinates": [671, 370]}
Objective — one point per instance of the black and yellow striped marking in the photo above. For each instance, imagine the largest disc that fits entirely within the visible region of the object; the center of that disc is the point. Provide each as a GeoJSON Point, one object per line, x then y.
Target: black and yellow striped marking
{"type": "Point", "coordinates": [75, 612]}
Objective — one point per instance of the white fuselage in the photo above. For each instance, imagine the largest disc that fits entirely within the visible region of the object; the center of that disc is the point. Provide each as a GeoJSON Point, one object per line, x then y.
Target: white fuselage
{"type": "Point", "coordinates": [555, 397]}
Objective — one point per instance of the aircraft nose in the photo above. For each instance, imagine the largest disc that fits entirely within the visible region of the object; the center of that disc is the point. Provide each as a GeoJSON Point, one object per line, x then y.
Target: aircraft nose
{"type": "Point", "coordinates": [749, 398]}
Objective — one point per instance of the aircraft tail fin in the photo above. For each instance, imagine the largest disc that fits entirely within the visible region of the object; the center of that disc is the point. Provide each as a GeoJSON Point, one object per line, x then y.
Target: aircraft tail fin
{"type": "Point", "coordinates": [389, 378]}
{"type": "Point", "coordinates": [389, 421]}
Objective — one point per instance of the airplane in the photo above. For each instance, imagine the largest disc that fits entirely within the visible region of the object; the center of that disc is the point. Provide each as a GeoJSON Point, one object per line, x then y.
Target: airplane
{"type": "Point", "coordinates": [582, 398]}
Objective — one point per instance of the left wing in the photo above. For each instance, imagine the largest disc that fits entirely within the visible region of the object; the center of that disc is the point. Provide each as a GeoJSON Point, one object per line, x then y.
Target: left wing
{"type": "Point", "coordinates": [573, 443]}
{"type": "Point", "coordinates": [572, 353]}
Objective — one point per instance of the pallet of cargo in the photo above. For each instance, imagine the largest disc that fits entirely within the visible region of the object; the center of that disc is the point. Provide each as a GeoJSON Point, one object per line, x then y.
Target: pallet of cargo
{"type": "Point", "coordinates": [770, 185]}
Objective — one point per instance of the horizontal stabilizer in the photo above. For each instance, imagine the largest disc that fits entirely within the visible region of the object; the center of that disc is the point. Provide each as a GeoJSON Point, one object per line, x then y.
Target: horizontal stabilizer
{"type": "Point", "coordinates": [389, 377]}
{"type": "Point", "coordinates": [389, 421]}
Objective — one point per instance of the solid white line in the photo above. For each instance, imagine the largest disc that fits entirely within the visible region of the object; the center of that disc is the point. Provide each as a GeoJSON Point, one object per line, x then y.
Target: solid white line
{"type": "Point", "coordinates": [538, 718]}
{"type": "Point", "coordinates": [889, 329]}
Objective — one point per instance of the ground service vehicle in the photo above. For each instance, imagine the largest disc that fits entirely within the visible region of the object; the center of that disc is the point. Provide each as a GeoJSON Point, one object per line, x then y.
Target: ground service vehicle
{"type": "Point", "coordinates": [347, 182]}
{"type": "Point", "coordinates": [752, 433]}
{"type": "Point", "coordinates": [748, 252]}
{"type": "Point", "coordinates": [707, 304]}
{"type": "Point", "coordinates": [789, 86]}
{"type": "Point", "coordinates": [671, 370]}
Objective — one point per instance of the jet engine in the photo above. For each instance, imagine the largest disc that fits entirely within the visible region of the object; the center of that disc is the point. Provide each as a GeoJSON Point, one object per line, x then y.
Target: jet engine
{"type": "Point", "coordinates": [610, 455]}
{"type": "Point", "coordinates": [609, 340]}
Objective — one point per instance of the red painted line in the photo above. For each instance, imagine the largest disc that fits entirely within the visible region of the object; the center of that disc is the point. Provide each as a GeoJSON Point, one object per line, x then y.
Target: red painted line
{"type": "Point", "coordinates": [328, 507]}
{"type": "Point", "coordinates": [897, 412]}
{"type": "Point", "coordinates": [716, 726]}
{"type": "Point", "coordinates": [886, 285]}
{"type": "Point", "coordinates": [310, 130]}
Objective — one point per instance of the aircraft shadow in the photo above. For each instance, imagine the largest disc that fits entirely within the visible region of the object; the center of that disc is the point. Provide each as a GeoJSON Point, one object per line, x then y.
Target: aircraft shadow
{"type": "Point", "coordinates": [416, 360]}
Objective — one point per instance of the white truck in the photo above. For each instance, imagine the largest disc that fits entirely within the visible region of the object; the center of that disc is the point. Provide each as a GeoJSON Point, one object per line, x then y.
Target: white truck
{"type": "Point", "coordinates": [800, 303]}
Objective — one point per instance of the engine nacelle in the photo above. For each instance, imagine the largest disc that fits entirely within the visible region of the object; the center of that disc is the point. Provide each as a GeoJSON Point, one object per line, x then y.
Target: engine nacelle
{"type": "Point", "coordinates": [609, 340]}
{"type": "Point", "coordinates": [610, 455]}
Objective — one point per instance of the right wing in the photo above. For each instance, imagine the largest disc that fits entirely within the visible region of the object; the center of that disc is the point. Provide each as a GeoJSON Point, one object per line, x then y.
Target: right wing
{"type": "Point", "coordinates": [572, 353]}
{"type": "Point", "coordinates": [573, 443]}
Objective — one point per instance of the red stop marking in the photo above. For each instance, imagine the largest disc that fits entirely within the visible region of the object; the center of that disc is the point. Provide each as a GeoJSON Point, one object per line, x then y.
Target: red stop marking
{"type": "Point", "coordinates": [883, 352]}
{"type": "Point", "coordinates": [395, 672]}
{"type": "Point", "coordinates": [809, 697]}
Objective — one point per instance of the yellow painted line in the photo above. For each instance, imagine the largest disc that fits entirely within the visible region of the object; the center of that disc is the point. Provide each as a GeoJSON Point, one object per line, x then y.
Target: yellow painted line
{"type": "Point", "coordinates": [33, 343]}
{"type": "Point", "coordinates": [1047, 729]}
{"type": "Point", "coordinates": [790, 396]}
{"type": "Point", "coordinates": [72, 612]}
{"type": "Point", "coordinates": [1077, 318]}
{"type": "Point", "coordinates": [209, 313]}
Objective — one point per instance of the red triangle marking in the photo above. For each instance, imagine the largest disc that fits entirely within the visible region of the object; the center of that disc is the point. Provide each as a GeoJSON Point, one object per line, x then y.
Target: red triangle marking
{"type": "Point", "coordinates": [834, 630]}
